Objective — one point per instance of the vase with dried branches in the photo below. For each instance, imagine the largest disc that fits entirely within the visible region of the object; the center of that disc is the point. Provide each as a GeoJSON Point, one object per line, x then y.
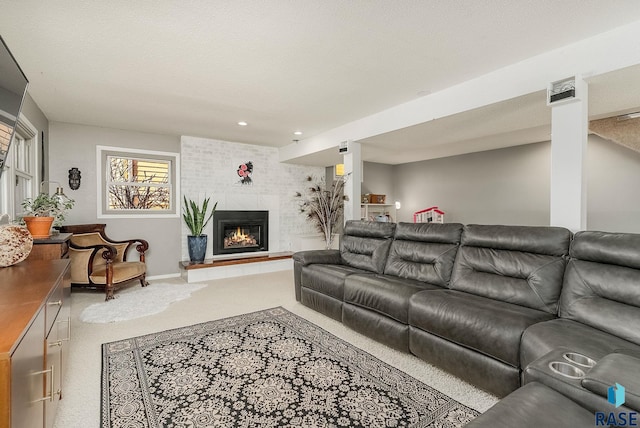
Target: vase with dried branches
{"type": "Point", "coordinates": [323, 206]}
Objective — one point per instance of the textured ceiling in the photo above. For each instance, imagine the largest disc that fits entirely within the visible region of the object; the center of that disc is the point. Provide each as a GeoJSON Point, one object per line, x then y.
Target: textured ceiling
{"type": "Point", "coordinates": [198, 67]}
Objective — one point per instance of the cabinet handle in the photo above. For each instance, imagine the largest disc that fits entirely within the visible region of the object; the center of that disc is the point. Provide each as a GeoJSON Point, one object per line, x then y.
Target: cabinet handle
{"type": "Point", "coordinates": [56, 343]}
{"type": "Point", "coordinates": [58, 303]}
{"type": "Point", "coordinates": [68, 321]}
{"type": "Point", "coordinates": [51, 386]}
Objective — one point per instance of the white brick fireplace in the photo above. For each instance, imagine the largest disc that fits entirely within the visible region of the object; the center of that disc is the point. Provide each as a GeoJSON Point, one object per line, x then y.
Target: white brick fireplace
{"type": "Point", "coordinates": [209, 169]}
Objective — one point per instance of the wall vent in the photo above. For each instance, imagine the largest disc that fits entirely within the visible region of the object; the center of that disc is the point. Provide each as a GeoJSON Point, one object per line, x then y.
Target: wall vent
{"type": "Point", "coordinates": [562, 91]}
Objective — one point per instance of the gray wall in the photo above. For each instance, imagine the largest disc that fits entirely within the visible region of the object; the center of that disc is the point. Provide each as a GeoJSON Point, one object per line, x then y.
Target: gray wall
{"type": "Point", "coordinates": [506, 186]}
{"type": "Point", "coordinates": [33, 113]}
{"type": "Point", "coordinates": [511, 186]}
{"type": "Point", "coordinates": [73, 145]}
{"type": "Point", "coordinates": [613, 196]}
{"type": "Point", "coordinates": [378, 178]}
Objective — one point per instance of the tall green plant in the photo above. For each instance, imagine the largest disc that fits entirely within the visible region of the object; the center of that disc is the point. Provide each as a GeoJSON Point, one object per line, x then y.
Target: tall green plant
{"type": "Point", "coordinates": [195, 215]}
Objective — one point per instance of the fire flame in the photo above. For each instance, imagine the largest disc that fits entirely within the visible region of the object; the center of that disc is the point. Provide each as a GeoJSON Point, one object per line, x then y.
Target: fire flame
{"type": "Point", "coordinates": [239, 239]}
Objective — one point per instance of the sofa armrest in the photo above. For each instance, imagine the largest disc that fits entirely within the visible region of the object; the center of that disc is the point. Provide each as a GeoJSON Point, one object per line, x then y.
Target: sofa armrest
{"type": "Point", "coordinates": [615, 368]}
{"type": "Point", "coordinates": [329, 257]}
{"type": "Point", "coordinates": [632, 352]}
{"type": "Point", "coordinates": [305, 258]}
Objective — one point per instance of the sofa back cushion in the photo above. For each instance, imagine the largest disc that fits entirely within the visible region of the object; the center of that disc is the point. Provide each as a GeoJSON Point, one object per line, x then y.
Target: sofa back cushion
{"type": "Point", "coordinates": [365, 244]}
{"type": "Point", "coordinates": [602, 283]}
{"type": "Point", "coordinates": [523, 265]}
{"type": "Point", "coordinates": [424, 252]}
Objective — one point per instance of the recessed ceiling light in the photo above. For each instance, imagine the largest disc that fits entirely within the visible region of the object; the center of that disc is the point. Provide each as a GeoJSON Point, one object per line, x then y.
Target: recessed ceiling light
{"type": "Point", "coordinates": [297, 133]}
{"type": "Point", "coordinates": [242, 123]}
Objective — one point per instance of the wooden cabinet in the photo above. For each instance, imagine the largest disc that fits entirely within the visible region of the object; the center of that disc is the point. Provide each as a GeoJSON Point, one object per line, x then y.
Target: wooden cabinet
{"type": "Point", "coordinates": [51, 248]}
{"type": "Point", "coordinates": [34, 313]}
{"type": "Point", "coordinates": [26, 379]}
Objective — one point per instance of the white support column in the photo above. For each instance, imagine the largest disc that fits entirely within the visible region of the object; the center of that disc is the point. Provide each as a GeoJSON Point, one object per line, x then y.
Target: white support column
{"type": "Point", "coordinates": [569, 130]}
{"type": "Point", "coordinates": [352, 186]}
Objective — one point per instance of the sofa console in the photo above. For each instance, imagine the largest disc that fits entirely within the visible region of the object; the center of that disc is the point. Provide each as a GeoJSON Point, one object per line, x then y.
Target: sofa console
{"type": "Point", "coordinates": [494, 305]}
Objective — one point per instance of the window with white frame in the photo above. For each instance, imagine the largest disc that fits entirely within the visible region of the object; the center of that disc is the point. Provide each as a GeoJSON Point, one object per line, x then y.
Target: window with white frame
{"type": "Point", "coordinates": [19, 179]}
{"type": "Point", "coordinates": [135, 182]}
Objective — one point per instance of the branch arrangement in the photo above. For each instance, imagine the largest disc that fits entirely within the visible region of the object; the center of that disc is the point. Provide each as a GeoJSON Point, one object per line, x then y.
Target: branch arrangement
{"type": "Point", "coordinates": [323, 206]}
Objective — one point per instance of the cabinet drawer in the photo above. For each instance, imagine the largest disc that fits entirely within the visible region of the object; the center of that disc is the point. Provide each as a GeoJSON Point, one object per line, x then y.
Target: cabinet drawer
{"type": "Point", "coordinates": [52, 307]}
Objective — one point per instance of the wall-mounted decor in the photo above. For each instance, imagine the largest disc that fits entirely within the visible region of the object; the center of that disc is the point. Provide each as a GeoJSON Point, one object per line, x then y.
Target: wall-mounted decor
{"type": "Point", "coordinates": [244, 172]}
{"type": "Point", "coordinates": [74, 178]}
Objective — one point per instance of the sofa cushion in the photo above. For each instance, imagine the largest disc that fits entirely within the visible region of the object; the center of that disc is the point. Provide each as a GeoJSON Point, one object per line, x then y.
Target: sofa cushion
{"type": "Point", "coordinates": [534, 406]}
{"type": "Point", "coordinates": [122, 271]}
{"type": "Point", "coordinates": [327, 279]}
{"type": "Point", "coordinates": [602, 283]}
{"type": "Point", "coordinates": [424, 252]}
{"type": "Point", "coordinates": [488, 326]}
{"type": "Point", "coordinates": [523, 265]}
{"type": "Point", "coordinates": [322, 303]}
{"type": "Point", "coordinates": [365, 244]}
{"type": "Point", "coordinates": [539, 339]}
{"type": "Point", "coordinates": [387, 295]}
{"type": "Point", "coordinates": [378, 327]}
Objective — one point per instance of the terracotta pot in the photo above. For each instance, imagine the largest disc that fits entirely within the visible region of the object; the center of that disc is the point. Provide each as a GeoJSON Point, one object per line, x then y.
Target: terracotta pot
{"type": "Point", "coordinates": [39, 227]}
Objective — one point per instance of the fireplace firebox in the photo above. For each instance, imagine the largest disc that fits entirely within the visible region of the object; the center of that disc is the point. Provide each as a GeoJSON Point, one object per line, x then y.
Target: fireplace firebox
{"type": "Point", "coordinates": [240, 231]}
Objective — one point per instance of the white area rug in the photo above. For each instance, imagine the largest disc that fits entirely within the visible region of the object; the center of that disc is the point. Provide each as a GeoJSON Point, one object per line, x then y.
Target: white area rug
{"type": "Point", "coordinates": [138, 302]}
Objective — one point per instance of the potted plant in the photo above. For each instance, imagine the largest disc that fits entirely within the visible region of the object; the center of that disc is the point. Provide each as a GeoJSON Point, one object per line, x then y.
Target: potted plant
{"type": "Point", "coordinates": [323, 207]}
{"type": "Point", "coordinates": [196, 218]}
{"type": "Point", "coordinates": [43, 211]}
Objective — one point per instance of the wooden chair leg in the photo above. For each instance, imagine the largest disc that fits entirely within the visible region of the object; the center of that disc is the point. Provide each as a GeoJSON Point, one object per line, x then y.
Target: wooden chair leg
{"type": "Point", "coordinates": [109, 292]}
{"type": "Point", "coordinates": [143, 281]}
{"type": "Point", "coordinates": [108, 286]}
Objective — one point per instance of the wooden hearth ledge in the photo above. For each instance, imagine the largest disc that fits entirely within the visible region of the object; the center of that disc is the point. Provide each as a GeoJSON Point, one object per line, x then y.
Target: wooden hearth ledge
{"type": "Point", "coordinates": [236, 260]}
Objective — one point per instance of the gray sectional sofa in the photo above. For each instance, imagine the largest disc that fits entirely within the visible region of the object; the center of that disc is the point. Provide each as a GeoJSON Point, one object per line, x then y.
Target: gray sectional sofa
{"type": "Point", "coordinates": [494, 305]}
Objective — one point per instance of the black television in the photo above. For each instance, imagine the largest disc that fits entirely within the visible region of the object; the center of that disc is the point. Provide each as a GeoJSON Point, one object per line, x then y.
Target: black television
{"type": "Point", "coordinates": [13, 88]}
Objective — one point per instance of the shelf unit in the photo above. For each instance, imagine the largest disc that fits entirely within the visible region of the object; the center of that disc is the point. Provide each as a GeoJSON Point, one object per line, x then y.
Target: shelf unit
{"type": "Point", "coordinates": [370, 211]}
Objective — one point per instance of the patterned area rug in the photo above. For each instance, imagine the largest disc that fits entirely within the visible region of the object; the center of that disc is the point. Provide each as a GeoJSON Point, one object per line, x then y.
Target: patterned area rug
{"type": "Point", "coordinates": [264, 369]}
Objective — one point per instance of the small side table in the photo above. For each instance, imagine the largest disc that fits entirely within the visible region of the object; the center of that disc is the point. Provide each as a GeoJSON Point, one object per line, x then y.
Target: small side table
{"type": "Point", "coordinates": [51, 248]}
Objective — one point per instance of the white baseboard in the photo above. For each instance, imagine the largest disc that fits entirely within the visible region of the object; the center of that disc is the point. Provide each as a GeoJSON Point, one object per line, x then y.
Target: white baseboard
{"type": "Point", "coordinates": [167, 276]}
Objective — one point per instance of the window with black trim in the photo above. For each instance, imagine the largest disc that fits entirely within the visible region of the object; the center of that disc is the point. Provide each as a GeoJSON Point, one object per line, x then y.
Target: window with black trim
{"type": "Point", "coordinates": [137, 182]}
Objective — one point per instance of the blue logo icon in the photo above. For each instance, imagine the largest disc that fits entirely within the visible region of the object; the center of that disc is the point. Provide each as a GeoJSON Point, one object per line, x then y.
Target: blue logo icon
{"type": "Point", "coordinates": [615, 395]}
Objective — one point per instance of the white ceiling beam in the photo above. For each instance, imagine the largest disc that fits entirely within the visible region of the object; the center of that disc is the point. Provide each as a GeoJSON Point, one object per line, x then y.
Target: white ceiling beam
{"type": "Point", "coordinates": [590, 57]}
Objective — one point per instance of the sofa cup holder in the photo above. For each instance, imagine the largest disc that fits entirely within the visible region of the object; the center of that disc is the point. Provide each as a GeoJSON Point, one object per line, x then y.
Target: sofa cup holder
{"type": "Point", "coordinates": [579, 359]}
{"type": "Point", "coordinates": [567, 370]}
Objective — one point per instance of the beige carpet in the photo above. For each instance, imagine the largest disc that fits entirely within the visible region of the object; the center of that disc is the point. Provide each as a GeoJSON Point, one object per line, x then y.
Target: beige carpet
{"type": "Point", "coordinates": [80, 407]}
